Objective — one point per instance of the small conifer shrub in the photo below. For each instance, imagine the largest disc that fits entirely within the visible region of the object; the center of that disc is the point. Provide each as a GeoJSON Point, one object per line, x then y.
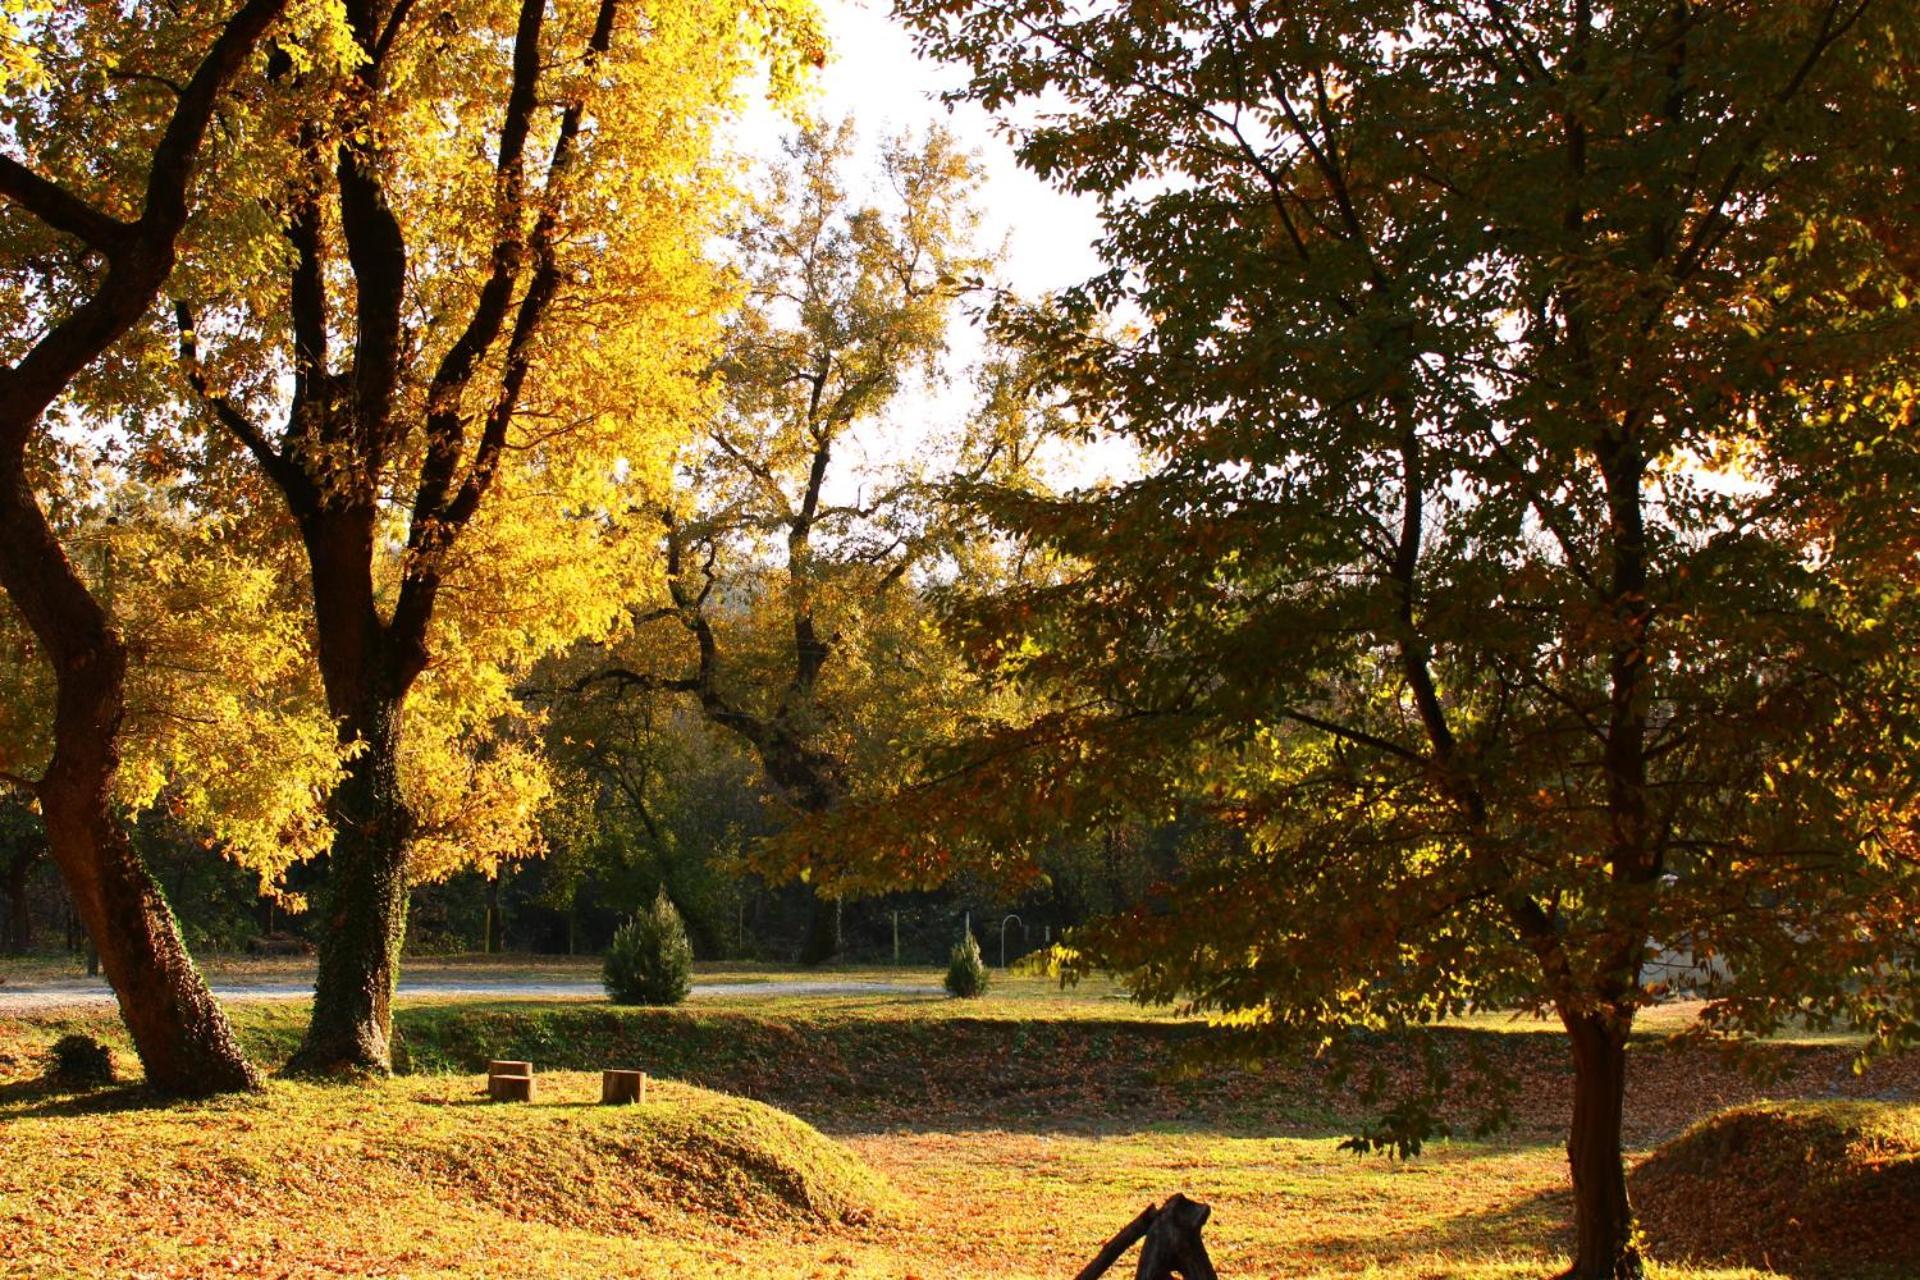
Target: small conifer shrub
{"type": "Point", "coordinates": [966, 971]}
{"type": "Point", "coordinates": [80, 1062]}
{"type": "Point", "coordinates": [650, 961]}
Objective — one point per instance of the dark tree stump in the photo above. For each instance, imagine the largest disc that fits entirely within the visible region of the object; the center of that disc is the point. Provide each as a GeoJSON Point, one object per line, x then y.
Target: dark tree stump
{"type": "Point", "coordinates": [622, 1086]}
{"type": "Point", "coordinates": [1173, 1246]}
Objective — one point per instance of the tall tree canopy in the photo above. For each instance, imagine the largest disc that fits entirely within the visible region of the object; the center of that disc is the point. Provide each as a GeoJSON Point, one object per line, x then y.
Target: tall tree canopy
{"type": "Point", "coordinates": [454, 314]}
{"type": "Point", "coordinates": [88, 237]}
{"type": "Point", "coordinates": [808, 515]}
{"type": "Point", "coordinates": [1483, 574]}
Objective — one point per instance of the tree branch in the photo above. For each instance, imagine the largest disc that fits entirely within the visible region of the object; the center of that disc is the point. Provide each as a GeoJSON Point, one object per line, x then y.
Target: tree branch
{"type": "Point", "coordinates": [308, 293]}
{"type": "Point", "coordinates": [140, 257]}
{"type": "Point", "coordinates": [1358, 736]}
{"type": "Point", "coordinates": [540, 294]}
{"type": "Point", "coordinates": [279, 468]}
{"type": "Point", "coordinates": [61, 209]}
{"type": "Point", "coordinates": [645, 682]}
{"type": "Point", "coordinates": [436, 524]}
{"type": "Point", "coordinates": [445, 427]}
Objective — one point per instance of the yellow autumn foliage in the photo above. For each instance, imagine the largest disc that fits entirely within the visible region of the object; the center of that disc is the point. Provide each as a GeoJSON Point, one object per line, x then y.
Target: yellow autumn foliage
{"type": "Point", "coordinates": [18, 65]}
{"type": "Point", "coordinates": [225, 727]}
{"type": "Point", "coordinates": [618, 371]}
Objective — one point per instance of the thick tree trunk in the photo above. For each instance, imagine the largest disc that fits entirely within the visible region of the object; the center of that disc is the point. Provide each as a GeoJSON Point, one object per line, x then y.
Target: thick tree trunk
{"type": "Point", "coordinates": [363, 907]}
{"type": "Point", "coordinates": [362, 914]}
{"type": "Point", "coordinates": [183, 1039]}
{"type": "Point", "coordinates": [1603, 1217]}
{"type": "Point", "coordinates": [185, 1043]}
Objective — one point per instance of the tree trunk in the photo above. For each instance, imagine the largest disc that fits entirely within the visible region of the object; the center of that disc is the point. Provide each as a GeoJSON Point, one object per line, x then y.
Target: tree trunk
{"type": "Point", "coordinates": [367, 670]}
{"type": "Point", "coordinates": [19, 910]}
{"type": "Point", "coordinates": [492, 941]}
{"type": "Point", "coordinates": [823, 941]}
{"type": "Point", "coordinates": [363, 907]}
{"type": "Point", "coordinates": [182, 1036]}
{"type": "Point", "coordinates": [1603, 1217]}
{"type": "Point", "coordinates": [184, 1041]}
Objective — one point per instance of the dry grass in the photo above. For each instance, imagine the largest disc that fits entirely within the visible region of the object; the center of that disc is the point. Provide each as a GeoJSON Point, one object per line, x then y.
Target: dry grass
{"type": "Point", "coordinates": [418, 1179]}
{"type": "Point", "coordinates": [1817, 1189]}
{"type": "Point", "coordinates": [1009, 1137]}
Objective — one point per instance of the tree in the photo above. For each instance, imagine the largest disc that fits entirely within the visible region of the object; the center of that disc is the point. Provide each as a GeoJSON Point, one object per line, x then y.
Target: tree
{"type": "Point", "coordinates": [650, 961]}
{"type": "Point", "coordinates": [223, 726]}
{"type": "Point", "coordinates": [23, 845]}
{"type": "Point", "coordinates": [1476, 576]}
{"type": "Point", "coordinates": [810, 506]}
{"type": "Point", "coordinates": [657, 797]}
{"type": "Point", "coordinates": [120, 209]}
{"type": "Point", "coordinates": [489, 355]}
{"type": "Point", "coordinates": [966, 971]}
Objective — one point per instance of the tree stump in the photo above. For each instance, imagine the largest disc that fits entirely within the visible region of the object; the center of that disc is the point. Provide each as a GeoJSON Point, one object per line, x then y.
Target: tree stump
{"type": "Point", "coordinates": [1173, 1245]}
{"type": "Point", "coordinates": [622, 1086]}
{"type": "Point", "coordinates": [510, 1088]}
{"type": "Point", "coordinates": [509, 1081]}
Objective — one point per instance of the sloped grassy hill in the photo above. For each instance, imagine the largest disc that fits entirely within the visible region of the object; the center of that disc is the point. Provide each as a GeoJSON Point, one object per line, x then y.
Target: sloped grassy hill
{"type": "Point", "coordinates": [1808, 1189]}
{"type": "Point", "coordinates": [415, 1178]}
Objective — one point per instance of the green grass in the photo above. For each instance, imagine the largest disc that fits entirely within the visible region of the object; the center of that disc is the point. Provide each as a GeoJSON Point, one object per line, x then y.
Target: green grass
{"type": "Point", "coordinates": [1003, 1137]}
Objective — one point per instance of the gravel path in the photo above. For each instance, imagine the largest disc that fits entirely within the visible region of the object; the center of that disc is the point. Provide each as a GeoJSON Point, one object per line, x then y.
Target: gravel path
{"type": "Point", "coordinates": [82, 992]}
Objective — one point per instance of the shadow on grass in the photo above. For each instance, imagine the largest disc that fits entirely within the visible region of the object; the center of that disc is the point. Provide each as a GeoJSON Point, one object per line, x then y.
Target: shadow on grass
{"type": "Point", "coordinates": [935, 1122]}
{"type": "Point", "coordinates": [1533, 1230]}
{"type": "Point", "coordinates": [1539, 1225]}
{"type": "Point", "coordinates": [29, 1099]}
{"type": "Point", "coordinates": [890, 1063]}
{"type": "Point", "coordinates": [871, 1065]}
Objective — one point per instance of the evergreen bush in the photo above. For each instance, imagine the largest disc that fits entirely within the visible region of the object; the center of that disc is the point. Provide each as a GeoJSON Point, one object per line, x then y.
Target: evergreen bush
{"type": "Point", "coordinates": [966, 971]}
{"type": "Point", "coordinates": [80, 1062]}
{"type": "Point", "coordinates": [650, 961]}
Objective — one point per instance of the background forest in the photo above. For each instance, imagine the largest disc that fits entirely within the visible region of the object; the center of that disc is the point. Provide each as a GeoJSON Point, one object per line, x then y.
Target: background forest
{"type": "Point", "coordinates": [782, 651]}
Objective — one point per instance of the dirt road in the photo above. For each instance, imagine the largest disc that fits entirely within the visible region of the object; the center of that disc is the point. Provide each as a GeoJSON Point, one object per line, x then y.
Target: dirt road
{"type": "Point", "coordinates": [37, 997]}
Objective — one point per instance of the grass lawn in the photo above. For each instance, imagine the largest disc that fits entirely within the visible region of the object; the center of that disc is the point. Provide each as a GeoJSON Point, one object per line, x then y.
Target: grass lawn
{"type": "Point", "coordinates": [1006, 1137]}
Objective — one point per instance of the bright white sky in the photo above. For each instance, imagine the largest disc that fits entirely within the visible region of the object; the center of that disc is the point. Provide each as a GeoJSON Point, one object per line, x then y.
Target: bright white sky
{"type": "Point", "coordinates": [874, 77]}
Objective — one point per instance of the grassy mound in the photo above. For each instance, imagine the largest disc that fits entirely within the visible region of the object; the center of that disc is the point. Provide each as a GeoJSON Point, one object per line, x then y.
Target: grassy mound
{"type": "Point", "coordinates": [1023, 1055]}
{"type": "Point", "coordinates": [1813, 1189]}
{"type": "Point", "coordinates": [414, 1177]}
